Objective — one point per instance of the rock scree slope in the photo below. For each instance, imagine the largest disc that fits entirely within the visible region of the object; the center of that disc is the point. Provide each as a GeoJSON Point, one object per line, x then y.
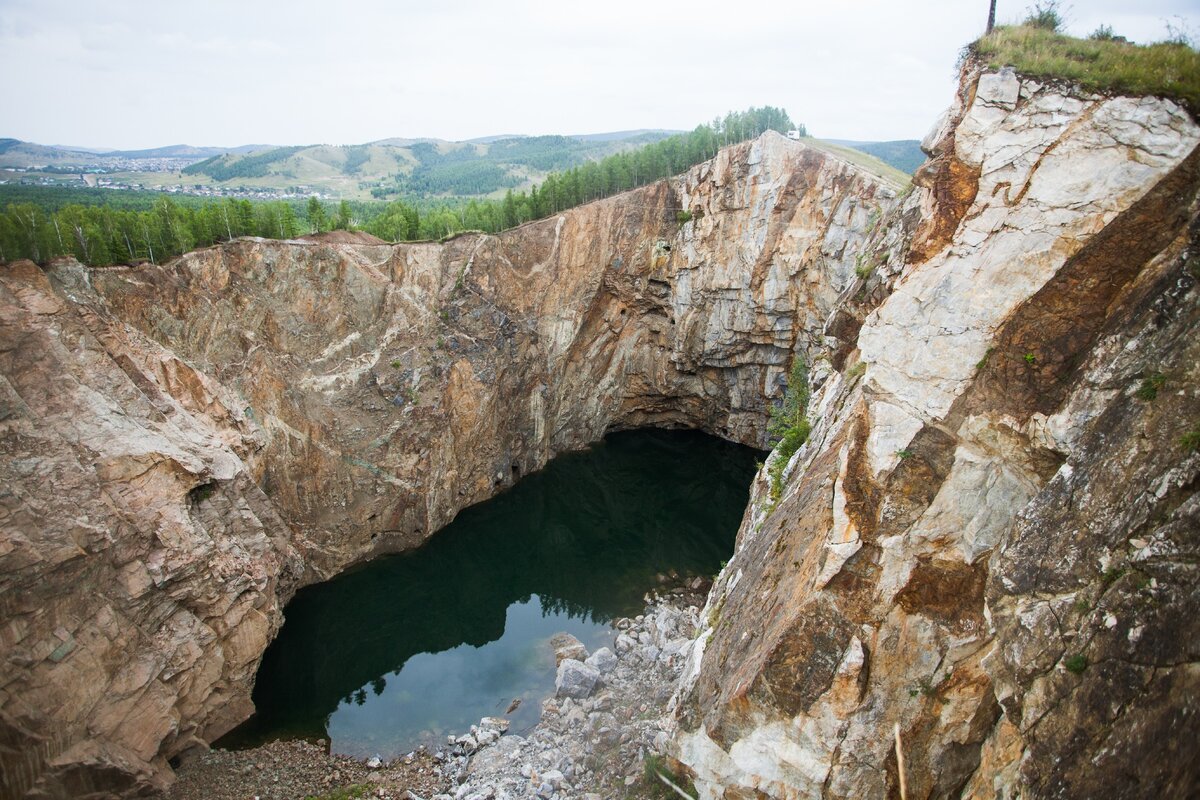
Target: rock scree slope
{"type": "Point", "coordinates": [989, 538]}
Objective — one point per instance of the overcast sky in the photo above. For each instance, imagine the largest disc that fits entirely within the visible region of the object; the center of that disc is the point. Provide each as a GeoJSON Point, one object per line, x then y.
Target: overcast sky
{"type": "Point", "coordinates": [142, 73]}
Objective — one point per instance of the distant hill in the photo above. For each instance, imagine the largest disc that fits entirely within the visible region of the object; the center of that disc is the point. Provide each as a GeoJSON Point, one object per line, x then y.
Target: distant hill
{"type": "Point", "coordinates": [185, 151]}
{"type": "Point", "coordinates": [496, 138]}
{"type": "Point", "coordinates": [385, 169]}
{"type": "Point", "coordinates": [616, 136]}
{"type": "Point", "coordinates": [392, 168]}
{"type": "Point", "coordinates": [15, 153]}
{"type": "Point", "coordinates": [903, 154]}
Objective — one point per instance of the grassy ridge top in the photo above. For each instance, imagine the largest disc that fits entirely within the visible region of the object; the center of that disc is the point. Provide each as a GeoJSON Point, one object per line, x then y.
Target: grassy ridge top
{"type": "Point", "coordinates": [1165, 69]}
{"type": "Point", "coordinates": [898, 178]}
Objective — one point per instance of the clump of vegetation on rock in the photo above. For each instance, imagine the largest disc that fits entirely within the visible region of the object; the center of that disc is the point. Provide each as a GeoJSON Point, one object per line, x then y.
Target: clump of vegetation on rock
{"type": "Point", "coordinates": [789, 427]}
{"type": "Point", "coordinates": [344, 793]}
{"type": "Point", "coordinates": [1191, 439]}
{"type": "Point", "coordinates": [1044, 14]}
{"type": "Point", "coordinates": [1150, 386]}
{"type": "Point", "coordinates": [654, 769]}
{"type": "Point", "coordinates": [1104, 62]}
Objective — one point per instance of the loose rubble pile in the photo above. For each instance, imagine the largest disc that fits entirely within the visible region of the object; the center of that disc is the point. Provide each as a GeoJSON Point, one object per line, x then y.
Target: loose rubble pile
{"type": "Point", "coordinates": [607, 717]}
{"type": "Point", "coordinates": [293, 770]}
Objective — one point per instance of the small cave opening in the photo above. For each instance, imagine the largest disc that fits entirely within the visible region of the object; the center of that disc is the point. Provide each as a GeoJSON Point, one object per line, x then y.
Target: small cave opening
{"type": "Point", "coordinates": [198, 494]}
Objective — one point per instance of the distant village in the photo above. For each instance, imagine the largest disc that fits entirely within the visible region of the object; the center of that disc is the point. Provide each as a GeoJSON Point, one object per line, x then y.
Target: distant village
{"type": "Point", "coordinates": [102, 177]}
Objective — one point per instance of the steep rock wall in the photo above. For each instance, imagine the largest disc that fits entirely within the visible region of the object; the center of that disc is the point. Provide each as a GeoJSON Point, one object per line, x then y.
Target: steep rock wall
{"type": "Point", "coordinates": [989, 539]}
{"type": "Point", "coordinates": [186, 444]}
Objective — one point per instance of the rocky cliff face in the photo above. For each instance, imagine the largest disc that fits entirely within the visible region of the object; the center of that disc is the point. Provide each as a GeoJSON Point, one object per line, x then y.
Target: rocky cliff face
{"type": "Point", "coordinates": [990, 538]}
{"type": "Point", "coordinates": [184, 445]}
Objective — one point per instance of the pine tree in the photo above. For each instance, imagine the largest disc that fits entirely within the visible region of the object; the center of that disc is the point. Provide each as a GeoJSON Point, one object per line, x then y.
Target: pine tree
{"type": "Point", "coordinates": [343, 217]}
{"type": "Point", "coordinates": [317, 220]}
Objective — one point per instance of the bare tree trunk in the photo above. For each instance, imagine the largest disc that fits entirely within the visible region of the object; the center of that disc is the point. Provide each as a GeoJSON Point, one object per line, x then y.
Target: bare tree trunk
{"type": "Point", "coordinates": [58, 233]}
{"type": "Point", "coordinates": [30, 226]}
{"type": "Point", "coordinates": [83, 243]}
{"type": "Point", "coordinates": [149, 246]}
{"type": "Point", "coordinates": [991, 17]}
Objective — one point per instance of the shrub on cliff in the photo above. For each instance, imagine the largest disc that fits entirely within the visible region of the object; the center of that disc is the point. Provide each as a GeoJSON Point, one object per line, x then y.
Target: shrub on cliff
{"type": "Point", "coordinates": [1045, 15]}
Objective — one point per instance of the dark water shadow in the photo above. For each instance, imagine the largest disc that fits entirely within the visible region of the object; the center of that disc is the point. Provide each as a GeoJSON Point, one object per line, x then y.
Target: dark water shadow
{"type": "Point", "coordinates": [407, 647]}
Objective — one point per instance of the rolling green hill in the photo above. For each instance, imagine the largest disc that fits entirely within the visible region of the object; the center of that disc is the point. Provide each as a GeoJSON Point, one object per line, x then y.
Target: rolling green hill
{"type": "Point", "coordinates": [420, 168]}
{"type": "Point", "coordinates": [415, 170]}
{"type": "Point", "coordinates": [903, 154]}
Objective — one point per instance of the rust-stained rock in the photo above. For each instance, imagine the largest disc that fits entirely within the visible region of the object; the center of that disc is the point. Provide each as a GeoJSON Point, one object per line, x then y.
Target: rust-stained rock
{"type": "Point", "coordinates": [992, 526]}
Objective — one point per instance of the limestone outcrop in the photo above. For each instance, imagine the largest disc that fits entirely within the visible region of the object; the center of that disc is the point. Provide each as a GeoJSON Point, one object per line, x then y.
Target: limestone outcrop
{"type": "Point", "coordinates": [989, 539]}
{"type": "Point", "coordinates": [185, 445]}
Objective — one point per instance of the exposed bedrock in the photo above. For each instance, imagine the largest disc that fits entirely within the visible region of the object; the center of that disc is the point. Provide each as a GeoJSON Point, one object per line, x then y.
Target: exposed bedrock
{"type": "Point", "coordinates": [185, 445]}
{"type": "Point", "coordinates": [990, 538]}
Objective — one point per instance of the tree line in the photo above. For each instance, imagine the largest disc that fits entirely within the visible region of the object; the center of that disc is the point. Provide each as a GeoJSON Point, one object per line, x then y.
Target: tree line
{"type": "Point", "coordinates": [591, 181]}
{"type": "Point", "coordinates": [101, 235]}
{"type": "Point", "coordinates": [104, 235]}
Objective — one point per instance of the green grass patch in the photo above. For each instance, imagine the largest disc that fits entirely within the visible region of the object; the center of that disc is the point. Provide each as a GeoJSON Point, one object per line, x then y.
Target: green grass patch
{"type": "Point", "coordinates": [1150, 386]}
{"type": "Point", "coordinates": [1165, 69]}
{"type": "Point", "coordinates": [1076, 664]}
{"type": "Point", "coordinates": [1191, 439]}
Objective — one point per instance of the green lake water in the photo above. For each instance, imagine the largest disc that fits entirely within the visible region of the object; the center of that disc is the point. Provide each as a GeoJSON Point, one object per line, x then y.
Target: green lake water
{"type": "Point", "coordinates": [408, 648]}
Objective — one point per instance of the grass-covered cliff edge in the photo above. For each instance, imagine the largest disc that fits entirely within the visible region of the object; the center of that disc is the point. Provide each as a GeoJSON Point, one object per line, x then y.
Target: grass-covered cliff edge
{"type": "Point", "coordinates": [1103, 63]}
